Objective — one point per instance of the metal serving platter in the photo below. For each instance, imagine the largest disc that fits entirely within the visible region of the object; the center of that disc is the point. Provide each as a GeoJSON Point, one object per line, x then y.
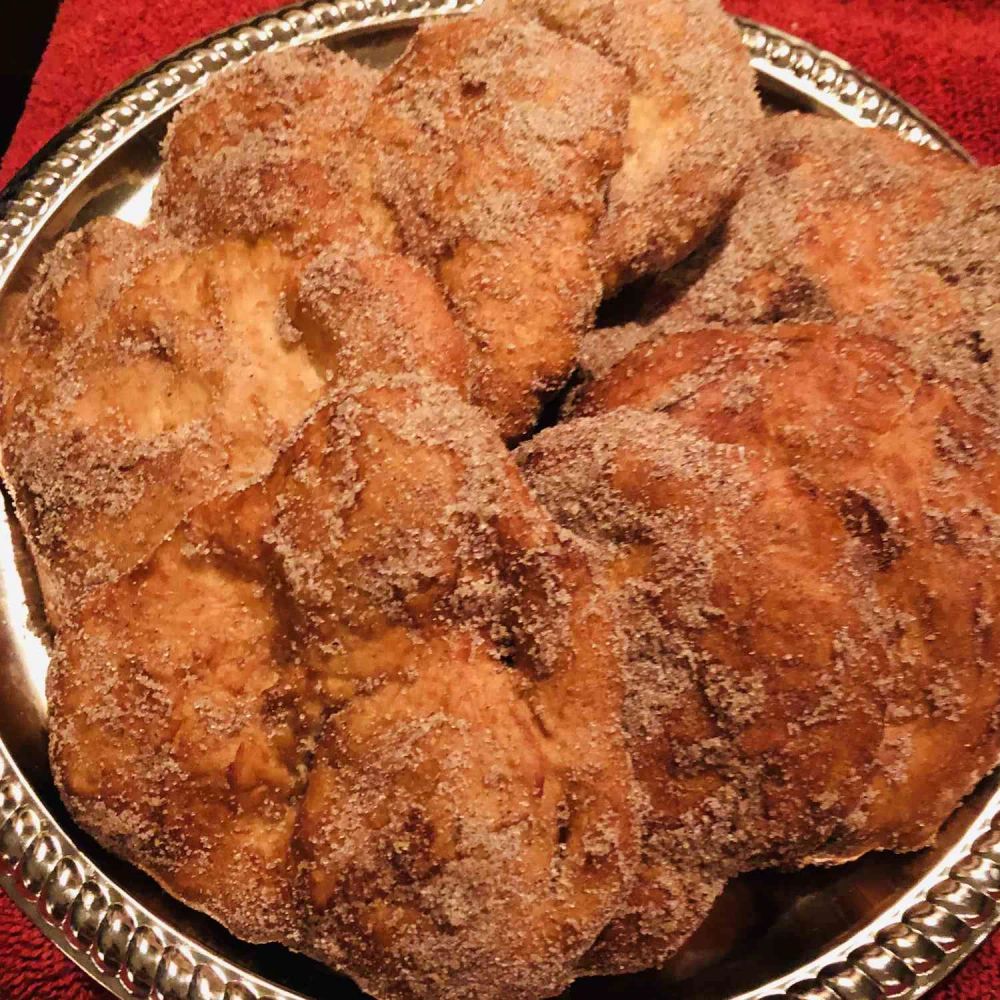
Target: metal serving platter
{"type": "Point", "coordinates": [885, 926]}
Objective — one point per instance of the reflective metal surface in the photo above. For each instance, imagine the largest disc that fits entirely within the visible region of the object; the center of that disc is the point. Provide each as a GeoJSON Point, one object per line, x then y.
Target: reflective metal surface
{"type": "Point", "coordinates": [884, 926]}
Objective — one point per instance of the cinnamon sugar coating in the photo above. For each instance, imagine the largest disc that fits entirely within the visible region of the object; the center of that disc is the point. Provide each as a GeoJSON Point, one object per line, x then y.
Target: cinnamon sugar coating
{"type": "Point", "coordinates": [692, 128]}
{"type": "Point", "coordinates": [142, 377]}
{"type": "Point", "coordinates": [331, 668]}
{"type": "Point", "coordinates": [839, 221]}
{"type": "Point", "coordinates": [524, 166]}
{"type": "Point", "coordinates": [750, 728]}
{"type": "Point", "coordinates": [367, 707]}
{"type": "Point", "coordinates": [274, 148]}
{"type": "Point", "coordinates": [800, 521]}
{"type": "Point", "coordinates": [496, 143]}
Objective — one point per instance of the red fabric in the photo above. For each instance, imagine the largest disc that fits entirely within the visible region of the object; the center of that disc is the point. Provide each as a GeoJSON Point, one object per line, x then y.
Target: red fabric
{"type": "Point", "coordinates": [941, 55]}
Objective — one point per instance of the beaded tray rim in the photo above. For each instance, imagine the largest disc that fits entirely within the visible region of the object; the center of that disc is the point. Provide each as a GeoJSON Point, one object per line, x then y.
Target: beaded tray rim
{"type": "Point", "coordinates": [909, 948]}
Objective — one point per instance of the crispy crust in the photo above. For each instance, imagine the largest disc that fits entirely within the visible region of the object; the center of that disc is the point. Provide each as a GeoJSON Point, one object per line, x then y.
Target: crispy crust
{"type": "Point", "coordinates": [367, 708]}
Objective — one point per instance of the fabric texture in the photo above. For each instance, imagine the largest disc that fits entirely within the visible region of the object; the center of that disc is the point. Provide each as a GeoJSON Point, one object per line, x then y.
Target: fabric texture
{"type": "Point", "coordinates": [943, 56]}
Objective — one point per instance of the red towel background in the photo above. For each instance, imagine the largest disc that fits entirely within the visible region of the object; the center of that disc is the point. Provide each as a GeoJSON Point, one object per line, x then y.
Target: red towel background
{"type": "Point", "coordinates": [943, 56]}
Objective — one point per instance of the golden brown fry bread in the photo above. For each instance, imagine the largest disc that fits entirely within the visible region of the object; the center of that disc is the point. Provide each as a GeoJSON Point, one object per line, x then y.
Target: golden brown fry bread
{"type": "Point", "coordinates": [890, 455]}
{"type": "Point", "coordinates": [273, 148]}
{"type": "Point", "coordinates": [743, 667]}
{"type": "Point", "coordinates": [368, 707]}
{"type": "Point", "coordinates": [142, 378]}
{"type": "Point", "coordinates": [692, 124]}
{"type": "Point", "coordinates": [801, 528]}
{"type": "Point", "coordinates": [496, 141]}
{"type": "Point", "coordinates": [839, 221]}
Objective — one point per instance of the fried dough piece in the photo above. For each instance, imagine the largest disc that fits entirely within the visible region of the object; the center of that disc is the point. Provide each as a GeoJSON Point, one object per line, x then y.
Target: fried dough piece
{"type": "Point", "coordinates": [273, 148]}
{"type": "Point", "coordinates": [142, 378]}
{"type": "Point", "coordinates": [900, 457]}
{"type": "Point", "coordinates": [801, 528]}
{"type": "Point", "coordinates": [496, 142]}
{"type": "Point", "coordinates": [841, 221]}
{"type": "Point", "coordinates": [176, 732]}
{"type": "Point", "coordinates": [692, 125]}
{"type": "Point", "coordinates": [750, 728]}
{"type": "Point", "coordinates": [376, 689]}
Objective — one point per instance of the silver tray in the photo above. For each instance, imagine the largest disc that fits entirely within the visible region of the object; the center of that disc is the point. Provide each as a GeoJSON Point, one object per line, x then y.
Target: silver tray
{"type": "Point", "coordinates": [886, 926]}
